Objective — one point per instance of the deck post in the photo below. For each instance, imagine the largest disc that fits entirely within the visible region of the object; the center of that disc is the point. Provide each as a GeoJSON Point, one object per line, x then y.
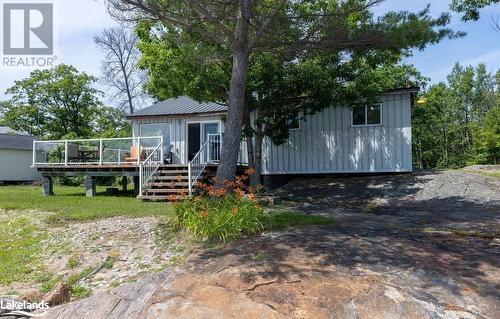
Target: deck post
{"type": "Point", "coordinates": [136, 185]}
{"type": "Point", "coordinates": [90, 186]}
{"type": "Point", "coordinates": [47, 185]}
{"type": "Point", "coordinates": [124, 183]}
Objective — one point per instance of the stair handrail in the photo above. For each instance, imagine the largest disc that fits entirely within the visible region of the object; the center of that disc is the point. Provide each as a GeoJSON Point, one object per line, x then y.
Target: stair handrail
{"type": "Point", "coordinates": [149, 166]}
{"type": "Point", "coordinates": [196, 167]}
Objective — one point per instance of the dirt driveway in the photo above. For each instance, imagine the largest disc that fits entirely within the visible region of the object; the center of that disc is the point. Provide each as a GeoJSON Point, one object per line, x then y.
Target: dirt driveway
{"type": "Point", "coordinates": [412, 246]}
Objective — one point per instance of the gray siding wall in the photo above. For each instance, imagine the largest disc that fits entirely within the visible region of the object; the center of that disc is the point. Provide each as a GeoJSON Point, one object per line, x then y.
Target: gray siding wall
{"type": "Point", "coordinates": [328, 143]}
{"type": "Point", "coordinates": [178, 133]}
{"type": "Point", "coordinates": [15, 165]}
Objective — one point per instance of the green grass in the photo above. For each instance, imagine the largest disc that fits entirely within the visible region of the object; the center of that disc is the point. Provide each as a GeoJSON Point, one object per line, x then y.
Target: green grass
{"type": "Point", "coordinates": [20, 251]}
{"type": "Point", "coordinates": [284, 220]}
{"type": "Point", "coordinates": [484, 173]}
{"type": "Point", "coordinates": [70, 203]}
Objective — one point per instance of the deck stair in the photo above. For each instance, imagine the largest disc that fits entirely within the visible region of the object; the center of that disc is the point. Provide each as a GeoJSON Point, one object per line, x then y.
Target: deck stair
{"type": "Point", "coordinates": [169, 180]}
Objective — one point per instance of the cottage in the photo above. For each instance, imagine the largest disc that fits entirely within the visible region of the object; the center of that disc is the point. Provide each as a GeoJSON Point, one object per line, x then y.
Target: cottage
{"type": "Point", "coordinates": [180, 139]}
{"type": "Point", "coordinates": [16, 156]}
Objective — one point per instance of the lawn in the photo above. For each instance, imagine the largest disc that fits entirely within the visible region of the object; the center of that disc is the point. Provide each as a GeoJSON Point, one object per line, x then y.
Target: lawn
{"type": "Point", "coordinates": [70, 203]}
{"type": "Point", "coordinates": [30, 232]}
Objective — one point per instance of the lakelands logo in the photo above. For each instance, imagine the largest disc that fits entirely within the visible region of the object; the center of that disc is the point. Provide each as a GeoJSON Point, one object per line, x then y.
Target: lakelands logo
{"type": "Point", "coordinates": [28, 34]}
{"type": "Point", "coordinates": [11, 307]}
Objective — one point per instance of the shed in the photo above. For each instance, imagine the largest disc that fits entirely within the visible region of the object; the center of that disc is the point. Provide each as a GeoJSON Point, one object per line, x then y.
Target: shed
{"type": "Point", "coordinates": [16, 156]}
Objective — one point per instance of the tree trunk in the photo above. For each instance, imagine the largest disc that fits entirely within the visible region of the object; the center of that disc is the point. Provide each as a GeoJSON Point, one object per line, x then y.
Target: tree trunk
{"type": "Point", "coordinates": [235, 113]}
{"type": "Point", "coordinates": [236, 104]}
{"type": "Point", "coordinates": [259, 137]}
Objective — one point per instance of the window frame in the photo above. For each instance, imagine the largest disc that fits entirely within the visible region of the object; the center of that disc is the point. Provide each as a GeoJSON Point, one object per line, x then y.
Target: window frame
{"type": "Point", "coordinates": [366, 116]}
{"type": "Point", "coordinates": [300, 118]}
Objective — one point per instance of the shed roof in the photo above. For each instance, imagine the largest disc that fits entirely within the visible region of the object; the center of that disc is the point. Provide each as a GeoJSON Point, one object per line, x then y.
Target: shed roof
{"type": "Point", "coordinates": [8, 130]}
{"type": "Point", "coordinates": [179, 106]}
{"type": "Point", "coordinates": [16, 142]}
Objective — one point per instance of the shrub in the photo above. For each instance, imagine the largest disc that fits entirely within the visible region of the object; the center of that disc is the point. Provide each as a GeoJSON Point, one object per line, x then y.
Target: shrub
{"type": "Point", "coordinates": [223, 213]}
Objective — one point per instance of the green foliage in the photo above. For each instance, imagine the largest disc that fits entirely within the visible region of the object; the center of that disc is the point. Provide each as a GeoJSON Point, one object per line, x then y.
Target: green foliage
{"type": "Point", "coordinates": [470, 8]}
{"type": "Point", "coordinates": [73, 262]}
{"type": "Point", "coordinates": [457, 124]}
{"type": "Point", "coordinates": [61, 103]}
{"type": "Point", "coordinates": [111, 122]}
{"type": "Point", "coordinates": [487, 137]}
{"type": "Point", "coordinates": [218, 218]}
{"type": "Point", "coordinates": [79, 292]}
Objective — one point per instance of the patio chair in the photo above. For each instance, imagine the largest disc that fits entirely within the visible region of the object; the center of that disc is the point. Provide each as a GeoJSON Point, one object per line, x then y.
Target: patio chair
{"type": "Point", "coordinates": [134, 153]}
{"type": "Point", "coordinates": [167, 157]}
{"type": "Point", "coordinates": [73, 153]}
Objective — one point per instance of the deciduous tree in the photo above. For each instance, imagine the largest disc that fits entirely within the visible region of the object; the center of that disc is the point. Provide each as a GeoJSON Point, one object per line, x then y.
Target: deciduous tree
{"type": "Point", "coordinates": [120, 71]}
{"type": "Point", "coordinates": [55, 103]}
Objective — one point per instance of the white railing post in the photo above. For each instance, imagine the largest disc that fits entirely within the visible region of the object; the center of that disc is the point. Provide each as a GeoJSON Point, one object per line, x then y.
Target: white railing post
{"type": "Point", "coordinates": [140, 181]}
{"type": "Point", "coordinates": [190, 183]}
{"type": "Point", "coordinates": [100, 151]}
{"type": "Point", "coordinates": [65, 152]}
{"type": "Point", "coordinates": [34, 153]}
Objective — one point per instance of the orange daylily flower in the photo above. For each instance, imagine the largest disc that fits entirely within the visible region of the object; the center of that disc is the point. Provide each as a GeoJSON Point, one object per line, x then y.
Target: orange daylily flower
{"type": "Point", "coordinates": [239, 192]}
{"type": "Point", "coordinates": [234, 210]}
{"type": "Point", "coordinates": [252, 197]}
{"type": "Point", "coordinates": [221, 192]}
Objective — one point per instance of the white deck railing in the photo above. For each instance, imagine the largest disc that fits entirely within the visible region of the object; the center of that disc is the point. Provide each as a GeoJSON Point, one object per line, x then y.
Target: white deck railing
{"type": "Point", "coordinates": [103, 151]}
{"type": "Point", "coordinates": [149, 167]}
{"type": "Point", "coordinates": [196, 166]}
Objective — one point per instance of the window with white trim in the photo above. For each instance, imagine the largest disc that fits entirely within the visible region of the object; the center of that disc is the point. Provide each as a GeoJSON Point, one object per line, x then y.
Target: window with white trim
{"type": "Point", "coordinates": [366, 115]}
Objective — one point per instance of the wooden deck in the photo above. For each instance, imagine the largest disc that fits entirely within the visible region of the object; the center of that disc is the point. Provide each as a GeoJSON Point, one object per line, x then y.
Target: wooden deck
{"type": "Point", "coordinates": [89, 170]}
{"type": "Point", "coordinates": [131, 169]}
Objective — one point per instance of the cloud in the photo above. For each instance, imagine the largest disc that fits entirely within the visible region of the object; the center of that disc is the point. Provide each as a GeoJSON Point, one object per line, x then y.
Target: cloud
{"type": "Point", "coordinates": [77, 23]}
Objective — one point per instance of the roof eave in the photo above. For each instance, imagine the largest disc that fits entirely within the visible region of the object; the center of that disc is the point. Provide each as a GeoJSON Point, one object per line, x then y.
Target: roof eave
{"type": "Point", "coordinates": [132, 116]}
{"type": "Point", "coordinates": [413, 89]}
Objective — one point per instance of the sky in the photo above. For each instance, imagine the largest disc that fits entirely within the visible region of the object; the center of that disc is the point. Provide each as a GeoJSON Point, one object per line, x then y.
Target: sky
{"type": "Point", "coordinates": [80, 20]}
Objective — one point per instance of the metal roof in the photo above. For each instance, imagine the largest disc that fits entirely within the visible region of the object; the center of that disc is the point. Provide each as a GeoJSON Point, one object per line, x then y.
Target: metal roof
{"type": "Point", "coordinates": [16, 142]}
{"type": "Point", "coordinates": [180, 106]}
